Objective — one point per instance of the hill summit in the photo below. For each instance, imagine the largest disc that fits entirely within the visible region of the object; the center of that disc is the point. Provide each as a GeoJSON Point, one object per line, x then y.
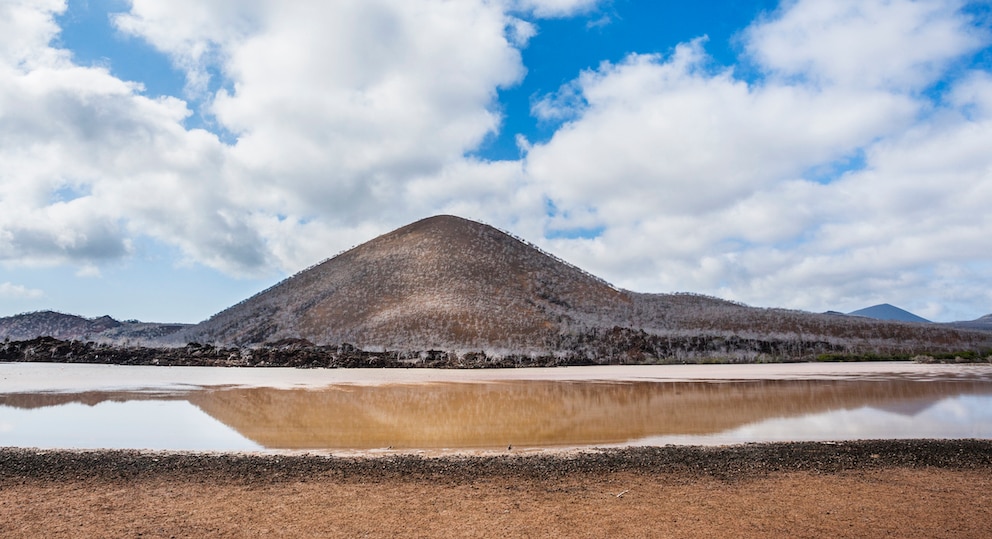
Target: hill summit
{"type": "Point", "coordinates": [440, 282]}
{"type": "Point", "coordinates": [885, 311]}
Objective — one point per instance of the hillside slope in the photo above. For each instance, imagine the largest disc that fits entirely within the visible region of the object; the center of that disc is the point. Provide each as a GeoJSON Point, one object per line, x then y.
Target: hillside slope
{"type": "Point", "coordinates": [448, 283]}
{"type": "Point", "coordinates": [438, 283]}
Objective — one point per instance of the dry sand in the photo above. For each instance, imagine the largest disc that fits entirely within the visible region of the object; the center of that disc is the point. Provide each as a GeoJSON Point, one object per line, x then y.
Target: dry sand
{"type": "Point", "coordinates": [856, 489]}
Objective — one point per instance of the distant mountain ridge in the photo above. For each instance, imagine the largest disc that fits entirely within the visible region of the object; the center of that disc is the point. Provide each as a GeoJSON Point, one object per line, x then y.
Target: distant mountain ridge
{"type": "Point", "coordinates": [984, 323]}
{"type": "Point", "coordinates": [53, 324]}
{"type": "Point", "coordinates": [70, 327]}
{"type": "Point", "coordinates": [885, 311]}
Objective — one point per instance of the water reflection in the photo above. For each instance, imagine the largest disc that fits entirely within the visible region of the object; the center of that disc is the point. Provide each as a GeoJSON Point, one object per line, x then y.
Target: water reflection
{"type": "Point", "coordinates": [131, 424]}
{"type": "Point", "coordinates": [531, 413]}
{"type": "Point", "coordinates": [962, 416]}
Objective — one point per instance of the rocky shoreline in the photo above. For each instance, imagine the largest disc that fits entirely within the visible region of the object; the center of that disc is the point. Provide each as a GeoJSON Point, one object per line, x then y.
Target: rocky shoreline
{"type": "Point", "coordinates": [722, 463]}
{"type": "Point", "coordinates": [615, 348]}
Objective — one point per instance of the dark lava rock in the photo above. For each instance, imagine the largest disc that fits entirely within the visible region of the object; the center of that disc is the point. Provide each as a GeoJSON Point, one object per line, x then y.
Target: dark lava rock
{"type": "Point", "coordinates": [727, 463]}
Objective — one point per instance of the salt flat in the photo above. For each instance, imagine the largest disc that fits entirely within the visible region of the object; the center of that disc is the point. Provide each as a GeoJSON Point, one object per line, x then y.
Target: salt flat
{"type": "Point", "coordinates": [60, 377]}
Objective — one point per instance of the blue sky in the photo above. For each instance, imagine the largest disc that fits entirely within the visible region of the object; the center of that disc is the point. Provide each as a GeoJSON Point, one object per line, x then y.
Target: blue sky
{"type": "Point", "coordinates": [163, 161]}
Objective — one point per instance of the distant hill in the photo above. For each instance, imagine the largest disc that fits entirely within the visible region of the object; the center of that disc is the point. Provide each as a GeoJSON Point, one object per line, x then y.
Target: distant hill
{"type": "Point", "coordinates": [984, 323]}
{"type": "Point", "coordinates": [53, 324]}
{"type": "Point", "coordinates": [889, 312]}
{"type": "Point", "coordinates": [140, 333]}
{"type": "Point", "coordinates": [70, 327]}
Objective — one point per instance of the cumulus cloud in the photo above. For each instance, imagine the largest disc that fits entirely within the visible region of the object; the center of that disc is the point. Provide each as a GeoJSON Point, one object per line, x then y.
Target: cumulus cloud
{"type": "Point", "coordinates": [337, 107]}
{"type": "Point", "coordinates": [854, 164]}
{"type": "Point", "coordinates": [128, 162]}
{"type": "Point", "coordinates": [694, 140]}
{"type": "Point", "coordinates": [701, 181]}
{"type": "Point", "coordinates": [26, 27]}
{"type": "Point", "coordinates": [335, 110]}
{"type": "Point", "coordinates": [16, 291]}
{"type": "Point", "coordinates": [897, 44]}
{"type": "Point", "coordinates": [199, 40]}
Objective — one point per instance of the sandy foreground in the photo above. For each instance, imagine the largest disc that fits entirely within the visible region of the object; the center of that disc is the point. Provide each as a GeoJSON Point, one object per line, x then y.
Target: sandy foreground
{"type": "Point", "coordinates": [853, 489]}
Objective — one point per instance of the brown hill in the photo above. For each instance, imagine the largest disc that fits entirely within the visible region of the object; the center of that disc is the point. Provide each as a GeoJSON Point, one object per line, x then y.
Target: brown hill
{"type": "Point", "coordinates": [452, 284]}
{"type": "Point", "coordinates": [438, 283]}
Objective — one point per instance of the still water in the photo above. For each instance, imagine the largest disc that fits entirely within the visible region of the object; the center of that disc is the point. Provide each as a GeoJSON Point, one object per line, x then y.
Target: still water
{"type": "Point", "coordinates": [91, 406]}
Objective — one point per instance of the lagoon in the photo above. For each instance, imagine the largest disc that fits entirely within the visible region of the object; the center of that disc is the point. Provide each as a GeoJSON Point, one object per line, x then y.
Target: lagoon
{"type": "Point", "coordinates": [442, 411]}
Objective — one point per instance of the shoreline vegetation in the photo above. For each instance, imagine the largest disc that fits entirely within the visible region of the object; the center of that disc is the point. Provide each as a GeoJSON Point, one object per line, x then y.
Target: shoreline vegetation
{"type": "Point", "coordinates": [300, 353]}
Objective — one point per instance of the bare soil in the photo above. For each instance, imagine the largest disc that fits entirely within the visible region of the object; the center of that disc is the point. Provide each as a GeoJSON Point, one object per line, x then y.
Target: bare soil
{"type": "Point", "coordinates": [858, 489]}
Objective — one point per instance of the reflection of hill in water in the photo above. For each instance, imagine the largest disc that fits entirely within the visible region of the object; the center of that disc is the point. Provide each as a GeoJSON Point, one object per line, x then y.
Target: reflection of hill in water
{"type": "Point", "coordinates": [525, 414]}
{"type": "Point", "coordinates": [534, 414]}
{"type": "Point", "coordinates": [88, 398]}
{"type": "Point", "coordinates": [908, 408]}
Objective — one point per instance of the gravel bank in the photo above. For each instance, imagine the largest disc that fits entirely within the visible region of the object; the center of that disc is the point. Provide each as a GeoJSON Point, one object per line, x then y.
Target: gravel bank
{"type": "Point", "coordinates": [908, 489]}
{"type": "Point", "coordinates": [724, 463]}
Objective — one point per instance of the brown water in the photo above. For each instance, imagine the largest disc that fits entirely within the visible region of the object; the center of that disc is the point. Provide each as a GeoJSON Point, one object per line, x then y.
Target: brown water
{"type": "Point", "coordinates": [496, 414]}
{"type": "Point", "coordinates": [542, 414]}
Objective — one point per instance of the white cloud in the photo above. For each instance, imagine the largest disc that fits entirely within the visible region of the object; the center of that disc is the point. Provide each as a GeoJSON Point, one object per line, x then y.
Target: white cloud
{"type": "Point", "coordinates": [337, 106]}
{"type": "Point", "coordinates": [349, 118]}
{"type": "Point", "coordinates": [16, 291]}
{"type": "Point", "coordinates": [336, 109]}
{"type": "Point", "coordinates": [199, 39]}
{"type": "Point", "coordinates": [701, 181]}
{"type": "Point", "coordinates": [902, 44]}
{"type": "Point", "coordinates": [973, 94]}
{"type": "Point", "coordinates": [694, 141]}
{"type": "Point", "coordinates": [134, 166]}
{"type": "Point", "coordinates": [26, 26]}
